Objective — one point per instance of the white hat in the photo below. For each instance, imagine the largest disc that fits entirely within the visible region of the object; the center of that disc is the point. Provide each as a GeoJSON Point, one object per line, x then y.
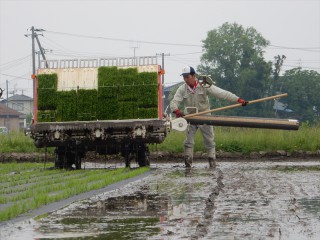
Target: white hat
{"type": "Point", "coordinates": [187, 70]}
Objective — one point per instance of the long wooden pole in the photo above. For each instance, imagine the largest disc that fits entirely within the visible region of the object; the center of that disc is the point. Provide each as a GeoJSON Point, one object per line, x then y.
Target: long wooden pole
{"type": "Point", "coordinates": [236, 105]}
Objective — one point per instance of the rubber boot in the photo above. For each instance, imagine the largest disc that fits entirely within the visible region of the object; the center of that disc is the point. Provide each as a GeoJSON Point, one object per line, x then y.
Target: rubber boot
{"type": "Point", "coordinates": [212, 162]}
{"type": "Point", "coordinates": [211, 154]}
{"type": "Point", "coordinates": [188, 157]}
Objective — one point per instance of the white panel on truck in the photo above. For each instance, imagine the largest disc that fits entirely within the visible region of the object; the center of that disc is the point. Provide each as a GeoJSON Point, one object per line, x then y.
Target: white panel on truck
{"type": "Point", "coordinates": [73, 78]}
{"type": "Point", "coordinates": [85, 78]}
{"type": "Point", "coordinates": [88, 78]}
{"type": "Point", "coordinates": [148, 68]}
{"type": "Point", "coordinates": [145, 68]}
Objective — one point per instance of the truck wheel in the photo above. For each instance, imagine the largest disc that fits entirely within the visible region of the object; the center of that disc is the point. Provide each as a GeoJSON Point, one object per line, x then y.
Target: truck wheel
{"type": "Point", "coordinates": [58, 162]}
{"type": "Point", "coordinates": [125, 152]}
{"type": "Point", "coordinates": [65, 158]}
{"type": "Point", "coordinates": [142, 156]}
{"type": "Point", "coordinates": [77, 161]}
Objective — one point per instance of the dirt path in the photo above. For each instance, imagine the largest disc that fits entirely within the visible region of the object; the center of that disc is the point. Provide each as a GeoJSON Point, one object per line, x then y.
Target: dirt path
{"type": "Point", "coordinates": [237, 200]}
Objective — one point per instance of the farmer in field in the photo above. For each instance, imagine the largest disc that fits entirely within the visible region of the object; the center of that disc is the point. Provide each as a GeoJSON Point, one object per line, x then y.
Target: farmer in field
{"type": "Point", "coordinates": [195, 98]}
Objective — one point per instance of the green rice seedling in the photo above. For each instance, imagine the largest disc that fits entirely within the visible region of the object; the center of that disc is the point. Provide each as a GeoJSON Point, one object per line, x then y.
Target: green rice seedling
{"type": "Point", "coordinates": [54, 187]}
{"type": "Point", "coordinates": [17, 142]}
{"type": "Point", "coordinates": [47, 91]}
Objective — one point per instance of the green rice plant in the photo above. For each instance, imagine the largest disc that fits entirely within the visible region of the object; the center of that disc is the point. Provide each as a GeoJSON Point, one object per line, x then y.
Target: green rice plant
{"type": "Point", "coordinates": [127, 76]}
{"type": "Point", "coordinates": [128, 93]}
{"type": "Point", "coordinates": [173, 143]}
{"type": "Point", "coordinates": [47, 88]}
{"type": "Point", "coordinates": [17, 142]}
{"type": "Point", "coordinates": [116, 88]}
{"type": "Point", "coordinates": [109, 109]}
{"type": "Point", "coordinates": [14, 167]}
{"type": "Point", "coordinates": [148, 96]}
{"type": "Point", "coordinates": [108, 92]}
{"type": "Point", "coordinates": [248, 140]}
{"type": "Point", "coordinates": [148, 78]}
{"type": "Point", "coordinates": [47, 116]}
{"type": "Point", "coordinates": [128, 110]}
{"type": "Point", "coordinates": [50, 189]}
{"type": "Point", "coordinates": [108, 76]}
{"type": "Point", "coordinates": [144, 113]}
{"type": "Point", "coordinates": [67, 105]}
{"type": "Point", "coordinates": [86, 105]}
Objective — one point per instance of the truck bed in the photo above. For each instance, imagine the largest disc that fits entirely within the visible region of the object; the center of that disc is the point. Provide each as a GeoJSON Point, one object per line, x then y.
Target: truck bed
{"type": "Point", "coordinates": [55, 133]}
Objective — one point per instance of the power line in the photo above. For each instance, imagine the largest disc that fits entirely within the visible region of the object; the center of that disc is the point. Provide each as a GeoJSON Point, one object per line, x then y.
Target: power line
{"type": "Point", "coordinates": [306, 49]}
{"type": "Point", "coordinates": [8, 75]}
{"type": "Point", "coordinates": [294, 66]}
{"type": "Point", "coordinates": [15, 64]}
{"type": "Point", "coordinates": [124, 40]}
{"type": "Point", "coordinates": [312, 49]}
{"type": "Point", "coordinates": [15, 60]}
{"type": "Point", "coordinates": [300, 48]}
{"type": "Point", "coordinates": [56, 51]}
{"type": "Point", "coordinates": [53, 43]}
{"type": "Point", "coordinates": [180, 54]}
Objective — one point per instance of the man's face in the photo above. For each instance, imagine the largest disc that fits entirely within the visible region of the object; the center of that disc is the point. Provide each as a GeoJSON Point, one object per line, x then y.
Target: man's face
{"type": "Point", "coordinates": [189, 79]}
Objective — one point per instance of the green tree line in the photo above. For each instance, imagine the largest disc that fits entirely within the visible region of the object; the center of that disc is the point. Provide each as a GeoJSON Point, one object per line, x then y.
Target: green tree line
{"type": "Point", "coordinates": [234, 57]}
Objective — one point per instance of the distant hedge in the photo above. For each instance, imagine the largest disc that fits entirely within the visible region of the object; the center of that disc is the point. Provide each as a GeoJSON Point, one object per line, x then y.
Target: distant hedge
{"type": "Point", "coordinates": [121, 94]}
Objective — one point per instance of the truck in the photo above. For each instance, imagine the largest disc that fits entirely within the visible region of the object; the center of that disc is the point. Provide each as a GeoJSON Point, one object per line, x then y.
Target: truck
{"type": "Point", "coordinates": [113, 106]}
{"type": "Point", "coordinates": [106, 105]}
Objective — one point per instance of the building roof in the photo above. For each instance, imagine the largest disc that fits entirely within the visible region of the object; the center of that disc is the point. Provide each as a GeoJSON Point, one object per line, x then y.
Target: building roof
{"type": "Point", "coordinates": [170, 88]}
{"type": "Point", "coordinates": [18, 97]}
{"type": "Point", "coordinates": [279, 106]}
{"type": "Point", "coordinates": [6, 111]}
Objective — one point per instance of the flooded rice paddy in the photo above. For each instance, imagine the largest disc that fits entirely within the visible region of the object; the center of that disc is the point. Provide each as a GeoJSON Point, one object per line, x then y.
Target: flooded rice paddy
{"type": "Point", "coordinates": [237, 200]}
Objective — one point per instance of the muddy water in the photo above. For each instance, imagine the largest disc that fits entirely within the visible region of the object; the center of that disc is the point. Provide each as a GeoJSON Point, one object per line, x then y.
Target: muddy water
{"type": "Point", "coordinates": [262, 200]}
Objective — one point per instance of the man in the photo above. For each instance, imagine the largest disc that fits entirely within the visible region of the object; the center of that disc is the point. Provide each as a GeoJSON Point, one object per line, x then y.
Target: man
{"type": "Point", "coordinates": [195, 97]}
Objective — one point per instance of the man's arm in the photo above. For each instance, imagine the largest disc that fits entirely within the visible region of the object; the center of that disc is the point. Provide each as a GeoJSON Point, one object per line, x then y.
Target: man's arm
{"type": "Point", "coordinates": [220, 93]}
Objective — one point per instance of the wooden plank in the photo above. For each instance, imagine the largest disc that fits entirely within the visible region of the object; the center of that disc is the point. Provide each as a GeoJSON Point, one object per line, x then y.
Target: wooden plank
{"type": "Point", "coordinates": [235, 105]}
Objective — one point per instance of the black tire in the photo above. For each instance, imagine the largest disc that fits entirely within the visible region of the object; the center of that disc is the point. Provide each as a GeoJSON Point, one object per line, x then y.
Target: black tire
{"type": "Point", "coordinates": [65, 158]}
{"type": "Point", "coordinates": [58, 162]}
{"type": "Point", "coordinates": [77, 161]}
{"type": "Point", "coordinates": [142, 155]}
{"type": "Point", "coordinates": [125, 152]}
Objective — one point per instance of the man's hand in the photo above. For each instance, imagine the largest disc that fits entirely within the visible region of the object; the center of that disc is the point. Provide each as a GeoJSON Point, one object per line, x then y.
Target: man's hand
{"type": "Point", "coordinates": [178, 113]}
{"type": "Point", "coordinates": [242, 101]}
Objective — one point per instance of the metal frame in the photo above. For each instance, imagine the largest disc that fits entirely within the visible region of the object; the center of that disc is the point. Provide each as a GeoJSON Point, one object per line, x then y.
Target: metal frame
{"type": "Point", "coordinates": [99, 62]}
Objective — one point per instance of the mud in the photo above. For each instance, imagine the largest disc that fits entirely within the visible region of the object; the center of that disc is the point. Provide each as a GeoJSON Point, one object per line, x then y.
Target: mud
{"type": "Point", "coordinates": [163, 156]}
{"type": "Point", "coordinates": [248, 200]}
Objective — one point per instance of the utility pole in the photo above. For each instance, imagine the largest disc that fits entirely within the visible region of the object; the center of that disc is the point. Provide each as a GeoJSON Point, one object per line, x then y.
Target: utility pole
{"type": "Point", "coordinates": [134, 52]}
{"type": "Point", "coordinates": [134, 55]}
{"type": "Point", "coordinates": [43, 56]}
{"type": "Point", "coordinates": [41, 50]}
{"type": "Point", "coordinates": [7, 120]}
{"type": "Point", "coordinates": [34, 35]}
{"type": "Point", "coordinates": [33, 54]}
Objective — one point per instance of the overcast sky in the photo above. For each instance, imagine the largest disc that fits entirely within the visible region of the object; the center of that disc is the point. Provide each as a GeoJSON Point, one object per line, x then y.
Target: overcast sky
{"type": "Point", "coordinates": [146, 28]}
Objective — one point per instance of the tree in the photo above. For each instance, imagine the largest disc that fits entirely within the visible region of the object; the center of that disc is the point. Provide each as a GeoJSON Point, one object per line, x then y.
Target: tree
{"type": "Point", "coordinates": [303, 88]}
{"type": "Point", "coordinates": [233, 56]}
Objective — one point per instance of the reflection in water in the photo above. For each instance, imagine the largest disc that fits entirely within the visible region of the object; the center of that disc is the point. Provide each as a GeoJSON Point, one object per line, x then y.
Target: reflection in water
{"type": "Point", "coordinates": [125, 228]}
{"type": "Point", "coordinates": [125, 217]}
{"type": "Point", "coordinates": [311, 205]}
{"type": "Point", "coordinates": [153, 210]}
{"type": "Point", "coordinates": [235, 201]}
